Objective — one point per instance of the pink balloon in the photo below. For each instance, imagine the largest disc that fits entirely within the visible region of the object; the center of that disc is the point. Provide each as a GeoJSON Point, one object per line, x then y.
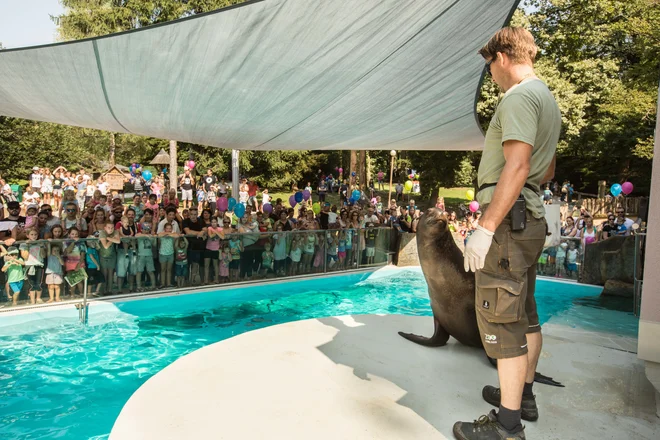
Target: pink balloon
{"type": "Point", "coordinates": [341, 170]}
{"type": "Point", "coordinates": [191, 164]}
{"type": "Point", "coordinates": [627, 188]}
{"type": "Point", "coordinates": [474, 206]}
{"type": "Point", "coordinates": [223, 203]}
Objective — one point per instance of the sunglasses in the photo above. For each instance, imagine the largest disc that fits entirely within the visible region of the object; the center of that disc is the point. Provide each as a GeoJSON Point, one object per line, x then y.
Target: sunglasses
{"type": "Point", "coordinates": [71, 210]}
{"type": "Point", "coordinates": [488, 66]}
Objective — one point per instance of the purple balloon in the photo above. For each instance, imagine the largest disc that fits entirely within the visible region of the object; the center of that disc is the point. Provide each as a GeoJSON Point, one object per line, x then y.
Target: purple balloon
{"type": "Point", "coordinates": [627, 188]}
{"type": "Point", "coordinates": [268, 208]}
{"type": "Point", "coordinates": [223, 203]}
{"type": "Point", "coordinates": [306, 195]}
{"type": "Point", "coordinates": [292, 201]}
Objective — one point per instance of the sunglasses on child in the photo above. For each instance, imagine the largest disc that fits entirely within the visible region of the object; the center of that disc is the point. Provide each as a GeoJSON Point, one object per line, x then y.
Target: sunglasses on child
{"type": "Point", "coordinates": [70, 210]}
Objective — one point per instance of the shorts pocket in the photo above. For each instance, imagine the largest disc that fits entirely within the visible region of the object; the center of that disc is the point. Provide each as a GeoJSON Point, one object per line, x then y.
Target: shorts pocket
{"type": "Point", "coordinates": [498, 298]}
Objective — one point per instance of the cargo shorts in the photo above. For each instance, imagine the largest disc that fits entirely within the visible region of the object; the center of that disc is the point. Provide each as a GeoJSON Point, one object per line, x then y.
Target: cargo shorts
{"type": "Point", "coordinates": [505, 303]}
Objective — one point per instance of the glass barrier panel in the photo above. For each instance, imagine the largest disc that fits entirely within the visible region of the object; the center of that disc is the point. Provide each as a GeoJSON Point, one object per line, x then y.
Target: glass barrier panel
{"type": "Point", "coordinates": [56, 270]}
{"type": "Point", "coordinates": [563, 261]}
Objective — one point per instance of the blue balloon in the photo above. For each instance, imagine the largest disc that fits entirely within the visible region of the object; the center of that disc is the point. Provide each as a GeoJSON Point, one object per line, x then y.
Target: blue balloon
{"type": "Point", "coordinates": [616, 189]}
{"type": "Point", "coordinates": [239, 210]}
{"type": "Point", "coordinates": [231, 204]}
{"type": "Point", "coordinates": [356, 194]}
{"type": "Point", "coordinates": [298, 197]}
{"type": "Point", "coordinates": [146, 174]}
{"type": "Point", "coordinates": [164, 170]}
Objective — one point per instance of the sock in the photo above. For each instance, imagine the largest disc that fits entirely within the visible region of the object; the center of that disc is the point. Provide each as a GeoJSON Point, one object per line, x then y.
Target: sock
{"type": "Point", "coordinates": [508, 418]}
{"type": "Point", "coordinates": [527, 391]}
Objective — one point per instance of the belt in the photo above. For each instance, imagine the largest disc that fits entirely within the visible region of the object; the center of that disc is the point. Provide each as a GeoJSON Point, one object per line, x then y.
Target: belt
{"type": "Point", "coordinates": [527, 185]}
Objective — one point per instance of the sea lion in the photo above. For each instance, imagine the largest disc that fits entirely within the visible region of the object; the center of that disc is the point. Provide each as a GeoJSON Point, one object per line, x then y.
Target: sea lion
{"type": "Point", "coordinates": [451, 288]}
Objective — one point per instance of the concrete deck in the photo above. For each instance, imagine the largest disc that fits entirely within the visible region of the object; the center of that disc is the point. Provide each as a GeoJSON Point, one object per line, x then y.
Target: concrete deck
{"type": "Point", "coordinates": [355, 378]}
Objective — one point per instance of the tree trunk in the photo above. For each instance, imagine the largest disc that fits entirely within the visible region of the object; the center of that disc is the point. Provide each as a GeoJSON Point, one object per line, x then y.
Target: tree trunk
{"type": "Point", "coordinates": [111, 159]}
{"type": "Point", "coordinates": [363, 169]}
{"type": "Point", "coordinates": [353, 166]}
{"type": "Point", "coordinates": [172, 174]}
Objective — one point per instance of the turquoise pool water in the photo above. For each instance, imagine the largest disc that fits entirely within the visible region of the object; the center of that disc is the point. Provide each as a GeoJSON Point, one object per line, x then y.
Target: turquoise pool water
{"type": "Point", "coordinates": [59, 380]}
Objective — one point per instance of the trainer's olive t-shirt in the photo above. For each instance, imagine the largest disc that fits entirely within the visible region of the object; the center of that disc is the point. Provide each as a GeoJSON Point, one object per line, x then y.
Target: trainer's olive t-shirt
{"type": "Point", "coordinates": [528, 113]}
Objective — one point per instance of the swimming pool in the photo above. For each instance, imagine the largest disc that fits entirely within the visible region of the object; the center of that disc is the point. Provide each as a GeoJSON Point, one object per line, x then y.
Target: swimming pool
{"type": "Point", "coordinates": [61, 380]}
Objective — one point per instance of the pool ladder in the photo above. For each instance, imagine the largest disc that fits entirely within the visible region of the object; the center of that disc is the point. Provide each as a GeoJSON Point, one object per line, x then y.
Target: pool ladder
{"type": "Point", "coordinates": [83, 307]}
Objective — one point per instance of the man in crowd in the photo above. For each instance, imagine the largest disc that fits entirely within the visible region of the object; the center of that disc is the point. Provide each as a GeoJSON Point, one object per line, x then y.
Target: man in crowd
{"type": "Point", "coordinates": [194, 229]}
{"type": "Point", "coordinates": [624, 224]}
{"type": "Point", "coordinates": [209, 180]}
{"type": "Point", "coordinates": [11, 221]}
{"type": "Point", "coordinates": [187, 183]}
{"type": "Point", "coordinates": [170, 218]}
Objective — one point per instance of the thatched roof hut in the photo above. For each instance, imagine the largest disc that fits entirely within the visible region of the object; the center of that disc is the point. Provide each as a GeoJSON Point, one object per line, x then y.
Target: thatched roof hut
{"type": "Point", "coordinates": [162, 158]}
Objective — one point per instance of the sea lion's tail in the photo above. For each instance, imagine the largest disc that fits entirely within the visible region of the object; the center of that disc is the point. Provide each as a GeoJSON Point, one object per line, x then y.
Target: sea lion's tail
{"type": "Point", "coordinates": [439, 338]}
{"type": "Point", "coordinates": [538, 377]}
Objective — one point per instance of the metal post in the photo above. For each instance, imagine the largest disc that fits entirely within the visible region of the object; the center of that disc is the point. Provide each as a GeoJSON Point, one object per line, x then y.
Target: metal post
{"type": "Point", "coordinates": [234, 174]}
{"type": "Point", "coordinates": [173, 175]}
{"type": "Point", "coordinates": [325, 252]}
{"type": "Point", "coordinates": [389, 194]}
{"type": "Point", "coordinates": [358, 256]}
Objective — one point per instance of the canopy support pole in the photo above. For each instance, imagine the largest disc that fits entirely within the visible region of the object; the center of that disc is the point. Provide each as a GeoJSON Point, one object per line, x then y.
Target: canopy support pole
{"type": "Point", "coordinates": [172, 171]}
{"type": "Point", "coordinates": [234, 174]}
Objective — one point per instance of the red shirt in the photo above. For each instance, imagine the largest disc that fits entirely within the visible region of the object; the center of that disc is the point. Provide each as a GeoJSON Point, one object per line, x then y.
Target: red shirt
{"type": "Point", "coordinates": [252, 189]}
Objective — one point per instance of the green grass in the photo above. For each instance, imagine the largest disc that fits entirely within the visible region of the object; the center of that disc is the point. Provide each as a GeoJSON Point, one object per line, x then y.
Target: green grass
{"type": "Point", "coordinates": [454, 197]}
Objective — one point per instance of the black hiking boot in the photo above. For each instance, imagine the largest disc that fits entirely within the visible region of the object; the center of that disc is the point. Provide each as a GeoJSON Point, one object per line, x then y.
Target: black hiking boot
{"type": "Point", "coordinates": [487, 428]}
{"type": "Point", "coordinates": [528, 412]}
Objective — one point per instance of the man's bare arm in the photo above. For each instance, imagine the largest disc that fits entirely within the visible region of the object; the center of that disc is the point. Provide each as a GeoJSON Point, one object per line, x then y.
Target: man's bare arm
{"type": "Point", "coordinates": [551, 171]}
{"type": "Point", "coordinates": [514, 175]}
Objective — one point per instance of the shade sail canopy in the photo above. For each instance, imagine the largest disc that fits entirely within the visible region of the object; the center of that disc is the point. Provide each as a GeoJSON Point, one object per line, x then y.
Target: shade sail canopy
{"type": "Point", "coordinates": [273, 74]}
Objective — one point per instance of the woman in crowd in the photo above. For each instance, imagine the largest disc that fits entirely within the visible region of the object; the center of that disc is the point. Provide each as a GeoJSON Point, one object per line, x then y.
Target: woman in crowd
{"type": "Point", "coordinates": [588, 234]}
{"type": "Point", "coordinates": [569, 230]}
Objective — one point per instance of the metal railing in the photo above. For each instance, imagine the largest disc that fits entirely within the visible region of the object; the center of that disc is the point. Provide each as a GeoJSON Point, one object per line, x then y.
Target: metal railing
{"type": "Point", "coordinates": [563, 261]}
{"type": "Point", "coordinates": [137, 265]}
{"type": "Point", "coordinates": [638, 271]}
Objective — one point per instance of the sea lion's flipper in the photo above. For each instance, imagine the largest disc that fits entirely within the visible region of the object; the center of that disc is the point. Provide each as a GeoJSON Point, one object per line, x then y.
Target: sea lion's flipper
{"type": "Point", "coordinates": [439, 338]}
{"type": "Point", "coordinates": [538, 377]}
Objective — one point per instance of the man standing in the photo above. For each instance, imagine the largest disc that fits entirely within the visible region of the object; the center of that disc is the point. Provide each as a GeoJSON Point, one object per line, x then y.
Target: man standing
{"type": "Point", "coordinates": [195, 231]}
{"type": "Point", "coordinates": [209, 180]}
{"type": "Point", "coordinates": [623, 223]}
{"type": "Point", "coordinates": [518, 157]}
{"type": "Point", "coordinates": [187, 183]}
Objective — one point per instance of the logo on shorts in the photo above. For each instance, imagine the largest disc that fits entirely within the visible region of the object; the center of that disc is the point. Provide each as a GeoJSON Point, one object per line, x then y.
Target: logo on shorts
{"type": "Point", "coordinates": [490, 339]}
{"type": "Point", "coordinates": [486, 305]}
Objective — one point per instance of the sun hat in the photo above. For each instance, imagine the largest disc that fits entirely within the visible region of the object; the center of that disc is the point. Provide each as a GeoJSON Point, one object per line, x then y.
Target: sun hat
{"type": "Point", "coordinates": [12, 250]}
{"type": "Point", "coordinates": [35, 168]}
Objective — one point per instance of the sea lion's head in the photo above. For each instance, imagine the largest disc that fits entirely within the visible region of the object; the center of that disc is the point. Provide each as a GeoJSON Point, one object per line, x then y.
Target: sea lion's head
{"type": "Point", "coordinates": [434, 221]}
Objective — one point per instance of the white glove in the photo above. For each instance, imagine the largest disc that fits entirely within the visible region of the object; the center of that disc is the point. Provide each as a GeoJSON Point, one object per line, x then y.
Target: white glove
{"type": "Point", "coordinates": [477, 248]}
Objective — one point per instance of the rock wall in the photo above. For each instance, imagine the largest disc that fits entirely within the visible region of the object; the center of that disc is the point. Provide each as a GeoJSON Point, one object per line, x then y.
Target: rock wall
{"type": "Point", "coordinates": [610, 263]}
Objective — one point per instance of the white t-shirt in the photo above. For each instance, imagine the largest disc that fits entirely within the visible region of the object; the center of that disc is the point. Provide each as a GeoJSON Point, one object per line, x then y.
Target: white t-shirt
{"type": "Point", "coordinates": [35, 180]}
{"type": "Point", "coordinates": [103, 187]}
{"type": "Point", "coordinates": [86, 178]}
{"type": "Point", "coordinates": [332, 217]}
{"type": "Point", "coordinates": [266, 197]}
{"type": "Point", "coordinates": [163, 222]}
{"type": "Point", "coordinates": [373, 219]}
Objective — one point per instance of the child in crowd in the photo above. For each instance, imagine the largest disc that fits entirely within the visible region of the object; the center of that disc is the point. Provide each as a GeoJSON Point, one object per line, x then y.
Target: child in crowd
{"type": "Point", "coordinates": [379, 205]}
{"type": "Point", "coordinates": [14, 268]}
{"type": "Point", "coordinates": [54, 272]}
{"type": "Point", "coordinates": [145, 257]}
{"type": "Point", "coordinates": [332, 218]}
{"type": "Point", "coordinates": [279, 250]}
{"type": "Point", "coordinates": [75, 258]}
{"type": "Point", "coordinates": [341, 249]}
{"type": "Point", "coordinates": [331, 249]}
{"type": "Point", "coordinates": [166, 255]}
{"type": "Point", "coordinates": [108, 238]}
{"type": "Point", "coordinates": [235, 248]}
{"type": "Point", "coordinates": [440, 203]}
{"type": "Point", "coordinates": [103, 204]}
{"type": "Point", "coordinates": [571, 260]}
{"type": "Point", "coordinates": [212, 198]}
{"type": "Point", "coordinates": [561, 260]}
{"type": "Point", "coordinates": [94, 273]}
{"type": "Point", "coordinates": [348, 261]}
{"type": "Point", "coordinates": [295, 255]}
{"type": "Point", "coordinates": [267, 261]}
{"type": "Point", "coordinates": [201, 196]}
{"type": "Point", "coordinates": [125, 231]}
{"type": "Point", "coordinates": [212, 253]}
{"type": "Point", "coordinates": [181, 260]}
{"type": "Point", "coordinates": [319, 254]}
{"type": "Point", "coordinates": [153, 205]}
{"type": "Point", "coordinates": [370, 242]}
{"type": "Point", "coordinates": [81, 191]}
{"type": "Point", "coordinates": [33, 254]}
{"type": "Point", "coordinates": [225, 261]}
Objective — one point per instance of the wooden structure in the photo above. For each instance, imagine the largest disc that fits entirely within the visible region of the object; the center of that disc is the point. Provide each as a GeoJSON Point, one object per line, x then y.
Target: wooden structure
{"type": "Point", "coordinates": [162, 159]}
{"type": "Point", "coordinates": [598, 207]}
{"type": "Point", "coordinates": [115, 177]}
